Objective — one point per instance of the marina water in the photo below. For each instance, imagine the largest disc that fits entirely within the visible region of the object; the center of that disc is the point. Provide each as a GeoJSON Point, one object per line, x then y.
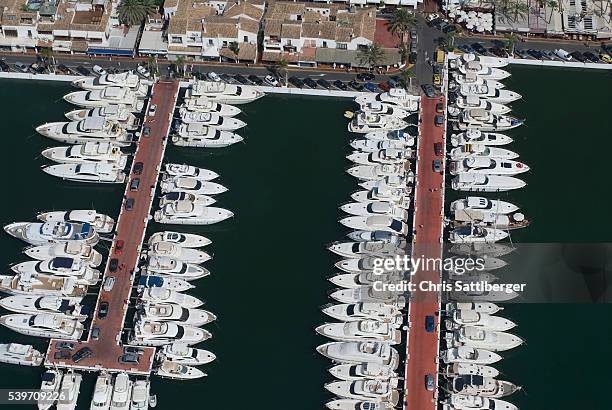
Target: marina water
{"type": "Point", "coordinates": [270, 265]}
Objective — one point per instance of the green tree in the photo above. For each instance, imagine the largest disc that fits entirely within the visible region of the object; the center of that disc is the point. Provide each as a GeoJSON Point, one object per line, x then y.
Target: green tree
{"type": "Point", "coordinates": [282, 67]}
{"type": "Point", "coordinates": [512, 10]}
{"type": "Point", "coordinates": [401, 22]}
{"type": "Point", "coordinates": [371, 55]}
{"type": "Point", "coordinates": [234, 48]}
{"type": "Point", "coordinates": [407, 76]}
{"type": "Point", "coordinates": [134, 12]}
{"type": "Point", "coordinates": [180, 62]}
{"type": "Point", "coordinates": [47, 54]}
{"type": "Point", "coordinates": [551, 5]}
{"type": "Point", "coordinates": [152, 64]}
{"type": "Point", "coordinates": [511, 40]}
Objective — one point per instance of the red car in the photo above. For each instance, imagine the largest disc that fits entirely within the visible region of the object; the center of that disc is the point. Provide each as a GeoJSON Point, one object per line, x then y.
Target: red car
{"type": "Point", "coordinates": [384, 86]}
{"type": "Point", "coordinates": [119, 246]}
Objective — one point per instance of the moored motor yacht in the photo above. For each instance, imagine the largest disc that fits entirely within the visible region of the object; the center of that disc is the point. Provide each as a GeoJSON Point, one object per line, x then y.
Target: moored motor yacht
{"type": "Point", "coordinates": [376, 223]}
{"type": "Point", "coordinates": [464, 354]}
{"type": "Point", "coordinates": [182, 353]}
{"type": "Point", "coordinates": [49, 388]}
{"type": "Point", "coordinates": [191, 185]}
{"type": "Point", "coordinates": [140, 395]}
{"type": "Point", "coordinates": [478, 203]}
{"type": "Point", "coordinates": [490, 93]}
{"type": "Point", "coordinates": [362, 371]}
{"type": "Point", "coordinates": [471, 79]}
{"type": "Point", "coordinates": [113, 112]}
{"type": "Point", "coordinates": [34, 304]}
{"type": "Point", "coordinates": [374, 248]}
{"type": "Point", "coordinates": [473, 101]}
{"type": "Point", "coordinates": [38, 284]}
{"type": "Point", "coordinates": [37, 233]}
{"type": "Point", "coordinates": [483, 295]}
{"type": "Point", "coordinates": [69, 249]}
{"type": "Point", "coordinates": [361, 352]}
{"type": "Point", "coordinates": [185, 240]}
{"type": "Point", "coordinates": [472, 336]}
{"type": "Point", "coordinates": [377, 107]}
{"type": "Point", "coordinates": [481, 119]}
{"type": "Point", "coordinates": [127, 79]}
{"type": "Point", "coordinates": [103, 390]}
{"type": "Point", "coordinates": [92, 173]}
{"type": "Point", "coordinates": [383, 156]}
{"type": "Point", "coordinates": [397, 196]}
{"type": "Point", "coordinates": [362, 330]}
{"type": "Point", "coordinates": [482, 70]}
{"type": "Point", "coordinates": [490, 219]}
{"type": "Point", "coordinates": [203, 104]}
{"type": "Point", "coordinates": [122, 391]}
{"type": "Point", "coordinates": [150, 333]}
{"type": "Point", "coordinates": [474, 136]}
{"type": "Point", "coordinates": [162, 265]}
{"type": "Point", "coordinates": [212, 120]}
{"type": "Point", "coordinates": [368, 236]}
{"type": "Point", "coordinates": [200, 135]}
{"type": "Point", "coordinates": [480, 182]}
{"type": "Point", "coordinates": [482, 386]}
{"type": "Point", "coordinates": [94, 152]}
{"type": "Point", "coordinates": [101, 223]}
{"type": "Point", "coordinates": [355, 404]}
{"type": "Point", "coordinates": [71, 386]}
{"type": "Point", "coordinates": [59, 266]}
{"type": "Point", "coordinates": [196, 199]}
{"type": "Point", "coordinates": [155, 281]}
{"type": "Point", "coordinates": [488, 61]}
{"type": "Point", "coordinates": [172, 250]}
{"type": "Point", "coordinates": [25, 355]}
{"type": "Point", "coordinates": [461, 318]}
{"type": "Point", "coordinates": [365, 389]}
{"type": "Point", "coordinates": [364, 123]}
{"type": "Point", "coordinates": [391, 181]}
{"type": "Point", "coordinates": [377, 171]}
{"type": "Point", "coordinates": [171, 312]}
{"type": "Point", "coordinates": [473, 150]}
{"type": "Point", "coordinates": [476, 234]}
{"type": "Point", "coordinates": [480, 307]}
{"type": "Point", "coordinates": [104, 97]}
{"type": "Point", "coordinates": [188, 213]}
{"type": "Point", "coordinates": [382, 312]}
{"type": "Point", "coordinates": [358, 265]}
{"type": "Point", "coordinates": [355, 280]}
{"type": "Point", "coordinates": [223, 93]}
{"type": "Point", "coordinates": [43, 325]}
{"type": "Point", "coordinates": [173, 370]}
{"type": "Point", "coordinates": [396, 136]}
{"type": "Point", "coordinates": [464, 402]}
{"type": "Point", "coordinates": [184, 170]}
{"type": "Point", "coordinates": [163, 295]}
{"type": "Point", "coordinates": [94, 129]}
{"type": "Point", "coordinates": [375, 208]}
{"type": "Point", "coordinates": [367, 294]}
{"type": "Point", "coordinates": [395, 96]}
{"type": "Point", "coordinates": [365, 145]}
{"type": "Point", "coordinates": [459, 369]}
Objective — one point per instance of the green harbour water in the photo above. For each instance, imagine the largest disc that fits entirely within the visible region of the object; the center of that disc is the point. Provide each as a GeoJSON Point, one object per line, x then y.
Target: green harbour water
{"type": "Point", "coordinates": [270, 266]}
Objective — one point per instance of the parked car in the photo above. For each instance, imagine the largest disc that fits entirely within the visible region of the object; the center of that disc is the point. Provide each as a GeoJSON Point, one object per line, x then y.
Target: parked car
{"type": "Point", "coordinates": [134, 184]}
{"type": "Point", "coordinates": [591, 57]}
{"type": "Point", "coordinates": [226, 78]}
{"type": "Point", "coordinates": [450, 29]}
{"type": "Point", "coordinates": [61, 355]}
{"type": "Point", "coordinates": [369, 86]}
{"type": "Point", "coordinates": [95, 333]}
{"type": "Point", "coordinates": [255, 79]}
{"type": "Point", "coordinates": [429, 90]}
{"type": "Point", "coordinates": [271, 81]}
{"type": "Point", "coordinates": [98, 70]}
{"type": "Point", "coordinates": [413, 35]}
{"type": "Point", "coordinates": [113, 265]}
{"type": "Point", "coordinates": [437, 79]}
{"type": "Point", "coordinates": [606, 58]}
{"type": "Point", "coordinates": [563, 55]}
{"type": "Point", "coordinates": [549, 55]}
{"type": "Point", "coordinates": [432, 17]}
{"type": "Point", "coordinates": [83, 353]}
{"type": "Point", "coordinates": [103, 310]}
{"type": "Point", "coordinates": [356, 86]}
{"type": "Point", "coordinates": [384, 86]}
{"type": "Point", "coordinates": [521, 53]}
{"type": "Point", "coordinates": [439, 120]}
{"type": "Point", "coordinates": [479, 48]}
{"type": "Point", "coordinates": [466, 48]}
{"type": "Point", "coordinates": [341, 85]}
{"type": "Point", "coordinates": [241, 79]}
{"type": "Point", "coordinates": [437, 165]}
{"type": "Point", "coordinates": [440, 107]}
{"type": "Point", "coordinates": [129, 204]}
{"type": "Point", "coordinates": [152, 110]}
{"type": "Point", "coordinates": [62, 68]}
{"type": "Point", "coordinates": [142, 70]}
{"type": "Point", "coordinates": [296, 82]}
{"type": "Point", "coordinates": [365, 76]}
{"type": "Point", "coordinates": [133, 350]}
{"type": "Point", "coordinates": [535, 54]}
{"type": "Point", "coordinates": [499, 52]}
{"type": "Point", "coordinates": [324, 83]}
{"type": "Point", "coordinates": [212, 76]}
{"type": "Point", "coordinates": [129, 359]}
{"type": "Point", "coordinates": [64, 345]}
{"type": "Point", "coordinates": [393, 83]}
{"type": "Point", "coordinates": [4, 66]}
{"type": "Point", "coordinates": [439, 149]}
{"type": "Point", "coordinates": [429, 324]}
{"type": "Point", "coordinates": [310, 82]}
{"type": "Point", "coordinates": [577, 55]}
{"type": "Point", "coordinates": [36, 68]}
{"type": "Point", "coordinates": [429, 382]}
{"type": "Point", "coordinates": [83, 71]}
{"type": "Point", "coordinates": [109, 282]}
{"type": "Point", "coordinates": [138, 168]}
{"type": "Point", "coordinates": [146, 131]}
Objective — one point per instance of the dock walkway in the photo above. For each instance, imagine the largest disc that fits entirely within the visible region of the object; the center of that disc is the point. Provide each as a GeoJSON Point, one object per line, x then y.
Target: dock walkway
{"type": "Point", "coordinates": [422, 346]}
{"type": "Point", "coordinates": [130, 229]}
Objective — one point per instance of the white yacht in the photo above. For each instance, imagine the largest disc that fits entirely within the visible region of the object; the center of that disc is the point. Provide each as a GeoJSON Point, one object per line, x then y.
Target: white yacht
{"type": "Point", "coordinates": [162, 265]}
{"type": "Point", "coordinates": [127, 79]}
{"type": "Point", "coordinates": [44, 325]}
{"type": "Point", "coordinates": [463, 402]}
{"type": "Point", "coordinates": [188, 213]}
{"type": "Point", "coordinates": [171, 312]}
{"type": "Point", "coordinates": [113, 112]}
{"type": "Point", "coordinates": [173, 370]}
{"type": "Point", "coordinates": [122, 392]}
{"type": "Point", "coordinates": [482, 295]}
{"type": "Point", "coordinates": [103, 391]}
{"type": "Point", "coordinates": [489, 219]}
{"type": "Point", "coordinates": [381, 236]}
{"type": "Point", "coordinates": [367, 294]}
{"type": "Point", "coordinates": [470, 355]}
{"type": "Point", "coordinates": [362, 371]}
{"type": "Point", "coordinates": [476, 337]}
{"type": "Point", "coordinates": [377, 107]}
{"type": "Point", "coordinates": [104, 97]}
{"type": "Point", "coordinates": [59, 266]}
{"type": "Point", "coordinates": [184, 354]}
{"type": "Point", "coordinates": [378, 171]}
{"type": "Point", "coordinates": [28, 284]}
{"type": "Point", "coordinates": [37, 233]}
{"type": "Point", "coordinates": [479, 203]}
{"type": "Point", "coordinates": [346, 312]}
{"type": "Point", "coordinates": [476, 385]}
{"type": "Point", "coordinates": [472, 234]}
{"type": "Point", "coordinates": [196, 199]}
{"type": "Point", "coordinates": [94, 129]}
{"type": "Point", "coordinates": [212, 120]}
{"type": "Point", "coordinates": [68, 306]}
{"type": "Point", "coordinates": [69, 249]}
{"type": "Point", "coordinates": [94, 152]}
{"type": "Point", "coordinates": [483, 120]}
{"type": "Point", "coordinates": [481, 307]}
{"type": "Point", "coordinates": [101, 223]}
{"type": "Point", "coordinates": [71, 386]}
{"type": "Point", "coordinates": [203, 104]}
{"type": "Point", "coordinates": [25, 355]}
{"type": "Point", "coordinates": [360, 352]}
{"type": "Point", "coordinates": [223, 92]}
{"type": "Point", "coordinates": [400, 136]}
{"type": "Point", "coordinates": [356, 249]}
{"type": "Point", "coordinates": [365, 145]}
{"type": "Point", "coordinates": [482, 70]}
{"type": "Point", "coordinates": [395, 96]}
{"type": "Point", "coordinates": [49, 387]}
{"type": "Point", "coordinates": [375, 208]}
{"type": "Point", "coordinates": [140, 395]}
{"type": "Point", "coordinates": [392, 181]}
{"type": "Point", "coordinates": [172, 250]}
{"type": "Point", "coordinates": [364, 123]}
{"type": "Point", "coordinates": [185, 240]}
{"type": "Point", "coordinates": [355, 404]}
{"type": "Point", "coordinates": [184, 170]}
{"type": "Point", "coordinates": [362, 330]}
{"type": "Point", "coordinates": [203, 136]}
{"type": "Point", "coordinates": [488, 61]}
{"type": "Point", "coordinates": [471, 78]}
{"type": "Point", "coordinates": [376, 223]}
{"type": "Point", "coordinates": [492, 94]}
{"type": "Point", "coordinates": [383, 156]}
{"type": "Point", "coordinates": [480, 150]}
{"type": "Point", "coordinates": [365, 389]}
{"type": "Point", "coordinates": [473, 136]}
{"type": "Point", "coordinates": [487, 166]}
{"type": "Point", "coordinates": [191, 185]}
{"type": "Point", "coordinates": [92, 173]}
{"type": "Point", "coordinates": [165, 282]}
{"type": "Point", "coordinates": [149, 333]}
{"type": "Point", "coordinates": [485, 183]}
{"type": "Point", "coordinates": [461, 318]}
{"type": "Point", "coordinates": [397, 196]}
{"type": "Point", "coordinates": [163, 295]}
{"type": "Point", "coordinates": [460, 369]}
{"type": "Point", "coordinates": [473, 101]}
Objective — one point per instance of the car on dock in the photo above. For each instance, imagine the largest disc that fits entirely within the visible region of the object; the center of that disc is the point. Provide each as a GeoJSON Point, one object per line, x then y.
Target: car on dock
{"type": "Point", "coordinates": [271, 81]}
{"type": "Point", "coordinates": [324, 83]}
{"type": "Point", "coordinates": [138, 168]}
{"type": "Point", "coordinates": [241, 79]}
{"type": "Point", "coordinates": [341, 85]}
{"type": "Point", "coordinates": [129, 358]}
{"type": "Point", "coordinates": [255, 79]}
{"type": "Point", "coordinates": [152, 110]}
{"type": "Point", "coordinates": [129, 204]}
{"type": "Point", "coordinates": [134, 184]}
{"type": "Point", "coordinates": [83, 71]}
{"type": "Point", "coordinates": [142, 70]}
{"type": "Point", "coordinates": [440, 107]}
{"type": "Point", "coordinates": [370, 87]}
{"type": "Point", "coordinates": [310, 82]}
{"type": "Point", "coordinates": [429, 90]}
{"type": "Point", "coordinates": [103, 310]}
{"type": "Point", "coordinates": [479, 48]}
{"type": "Point", "coordinates": [109, 283]}
{"type": "Point", "coordinates": [429, 382]}
{"type": "Point", "coordinates": [133, 350]}
{"type": "Point", "coordinates": [578, 56]}
{"type": "Point", "coordinates": [64, 345]}
{"type": "Point", "coordinates": [212, 76]}
{"type": "Point", "coordinates": [19, 66]}
{"type": "Point", "coordinates": [365, 77]}
{"type": "Point", "coordinates": [81, 354]}
{"type": "Point", "coordinates": [113, 265]}
{"type": "Point", "coordinates": [429, 324]}
{"type": "Point", "coordinates": [146, 131]}
{"type": "Point", "coordinates": [95, 333]}
{"type": "Point", "coordinates": [439, 120]}
{"type": "Point", "coordinates": [296, 82]}
{"type": "Point", "coordinates": [98, 70]}
{"type": "Point", "coordinates": [437, 165]}
{"type": "Point", "coordinates": [119, 246]}
{"type": "Point", "coordinates": [61, 355]}
{"type": "Point", "coordinates": [591, 57]}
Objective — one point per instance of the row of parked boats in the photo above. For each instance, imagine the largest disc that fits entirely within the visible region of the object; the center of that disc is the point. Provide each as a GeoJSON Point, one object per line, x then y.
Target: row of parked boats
{"type": "Point", "coordinates": [368, 323]}
{"type": "Point", "coordinates": [474, 334]}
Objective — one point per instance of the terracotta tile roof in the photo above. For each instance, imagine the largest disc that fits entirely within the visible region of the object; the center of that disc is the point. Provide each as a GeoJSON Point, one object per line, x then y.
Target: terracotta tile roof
{"type": "Point", "coordinates": [272, 27]}
{"type": "Point", "coordinates": [220, 27]}
{"type": "Point", "coordinates": [177, 26]}
{"type": "Point", "coordinates": [248, 25]}
{"type": "Point", "coordinates": [246, 51]}
{"type": "Point", "coordinates": [291, 30]}
{"type": "Point", "coordinates": [244, 8]}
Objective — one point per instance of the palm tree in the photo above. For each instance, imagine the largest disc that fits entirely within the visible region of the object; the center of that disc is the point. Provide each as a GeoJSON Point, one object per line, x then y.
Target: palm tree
{"type": "Point", "coordinates": [234, 48]}
{"type": "Point", "coordinates": [401, 22]}
{"type": "Point", "coordinates": [47, 55]}
{"type": "Point", "coordinates": [407, 76]}
{"type": "Point", "coordinates": [552, 5]}
{"type": "Point", "coordinates": [371, 55]}
{"type": "Point", "coordinates": [134, 12]}
{"type": "Point", "coordinates": [180, 64]}
{"type": "Point", "coordinates": [281, 66]}
{"type": "Point", "coordinates": [512, 10]}
{"type": "Point", "coordinates": [152, 64]}
{"type": "Point", "coordinates": [511, 40]}
{"type": "Point", "coordinates": [451, 40]}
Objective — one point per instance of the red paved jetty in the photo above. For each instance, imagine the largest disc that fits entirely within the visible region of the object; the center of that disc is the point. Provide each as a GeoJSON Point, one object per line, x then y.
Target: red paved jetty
{"type": "Point", "coordinates": [130, 229]}
{"type": "Point", "coordinates": [422, 347]}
